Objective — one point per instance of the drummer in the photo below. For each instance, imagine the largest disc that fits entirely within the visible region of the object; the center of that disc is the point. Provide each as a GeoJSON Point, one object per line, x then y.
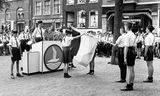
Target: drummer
{"type": "Point", "coordinates": [24, 38]}
{"type": "Point", "coordinates": [38, 34]}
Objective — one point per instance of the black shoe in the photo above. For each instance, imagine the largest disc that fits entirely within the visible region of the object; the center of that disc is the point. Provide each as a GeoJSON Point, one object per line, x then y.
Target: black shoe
{"type": "Point", "coordinates": [90, 73]}
{"type": "Point", "coordinates": [12, 76]}
{"type": "Point", "coordinates": [121, 81]}
{"type": "Point", "coordinates": [66, 75]}
{"type": "Point", "coordinates": [19, 75]}
{"type": "Point", "coordinates": [129, 87]}
{"type": "Point", "coordinates": [148, 80]}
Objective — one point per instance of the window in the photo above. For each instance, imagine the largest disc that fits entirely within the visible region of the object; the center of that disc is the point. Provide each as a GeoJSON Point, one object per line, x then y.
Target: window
{"type": "Point", "coordinates": [20, 14]}
{"type": "Point", "coordinates": [70, 2]}
{"type": "Point", "coordinates": [38, 8]}
{"type": "Point", "coordinates": [58, 25]}
{"type": "Point", "coordinates": [47, 7]}
{"type": "Point", "coordinates": [93, 1]}
{"type": "Point", "coordinates": [56, 7]}
{"type": "Point", "coordinates": [81, 18]}
{"type": "Point", "coordinates": [8, 14]}
{"type": "Point", "coordinates": [81, 1]}
{"type": "Point", "coordinates": [93, 18]}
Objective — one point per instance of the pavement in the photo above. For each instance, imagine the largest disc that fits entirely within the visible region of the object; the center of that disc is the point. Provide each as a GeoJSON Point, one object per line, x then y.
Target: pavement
{"type": "Point", "coordinates": [101, 84]}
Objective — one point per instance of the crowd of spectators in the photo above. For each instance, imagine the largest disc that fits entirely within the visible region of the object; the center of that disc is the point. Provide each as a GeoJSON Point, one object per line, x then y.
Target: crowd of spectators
{"type": "Point", "coordinates": [103, 48]}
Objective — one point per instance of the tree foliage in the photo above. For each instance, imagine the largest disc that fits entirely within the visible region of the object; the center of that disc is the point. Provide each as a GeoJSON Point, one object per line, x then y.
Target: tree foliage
{"type": "Point", "coordinates": [4, 4]}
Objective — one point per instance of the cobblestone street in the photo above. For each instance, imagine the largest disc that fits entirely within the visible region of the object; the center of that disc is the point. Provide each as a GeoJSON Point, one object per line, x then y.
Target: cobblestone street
{"type": "Point", "coordinates": [101, 84]}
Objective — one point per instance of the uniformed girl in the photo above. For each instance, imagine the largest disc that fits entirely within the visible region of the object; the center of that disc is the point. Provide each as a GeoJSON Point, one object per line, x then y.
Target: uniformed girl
{"type": "Point", "coordinates": [148, 55]}
{"type": "Point", "coordinates": [66, 42]}
{"type": "Point", "coordinates": [15, 51]}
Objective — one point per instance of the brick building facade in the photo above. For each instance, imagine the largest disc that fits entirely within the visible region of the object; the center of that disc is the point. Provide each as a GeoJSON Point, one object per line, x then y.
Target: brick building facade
{"type": "Point", "coordinates": [18, 15]}
{"type": "Point", "coordinates": [83, 14]}
{"type": "Point", "coordinates": [143, 12]}
{"type": "Point", "coordinates": [49, 11]}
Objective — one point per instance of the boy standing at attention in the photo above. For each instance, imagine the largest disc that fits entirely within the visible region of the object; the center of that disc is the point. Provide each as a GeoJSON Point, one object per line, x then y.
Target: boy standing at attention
{"type": "Point", "coordinates": [14, 46]}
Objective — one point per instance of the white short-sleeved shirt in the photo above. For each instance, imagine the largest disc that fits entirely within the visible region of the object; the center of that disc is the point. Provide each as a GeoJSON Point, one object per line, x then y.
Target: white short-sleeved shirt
{"type": "Point", "coordinates": [149, 39]}
{"type": "Point", "coordinates": [67, 41]}
{"type": "Point", "coordinates": [121, 40]}
{"type": "Point", "coordinates": [13, 43]}
{"type": "Point", "coordinates": [130, 39]}
{"type": "Point", "coordinates": [139, 39]}
{"type": "Point", "coordinates": [37, 32]}
{"type": "Point", "coordinates": [24, 35]}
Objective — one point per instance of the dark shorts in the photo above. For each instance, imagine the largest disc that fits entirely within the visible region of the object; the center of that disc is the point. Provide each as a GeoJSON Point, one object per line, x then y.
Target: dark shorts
{"type": "Point", "coordinates": [66, 55]}
{"type": "Point", "coordinates": [16, 54]}
{"type": "Point", "coordinates": [131, 56]}
{"type": "Point", "coordinates": [139, 45]}
{"type": "Point", "coordinates": [38, 39]}
{"type": "Point", "coordinates": [159, 46]}
{"type": "Point", "coordinates": [149, 56]}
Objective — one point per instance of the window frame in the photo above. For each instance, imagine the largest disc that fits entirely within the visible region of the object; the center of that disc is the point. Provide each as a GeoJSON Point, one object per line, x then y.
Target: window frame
{"type": "Point", "coordinates": [45, 8]}
{"type": "Point", "coordinates": [96, 17]}
{"type": "Point", "coordinates": [55, 8]}
{"type": "Point", "coordinates": [67, 2]}
{"type": "Point", "coordinates": [83, 19]}
{"type": "Point", "coordinates": [78, 2]}
{"type": "Point", "coordinates": [93, 1]}
{"type": "Point", "coordinates": [40, 10]}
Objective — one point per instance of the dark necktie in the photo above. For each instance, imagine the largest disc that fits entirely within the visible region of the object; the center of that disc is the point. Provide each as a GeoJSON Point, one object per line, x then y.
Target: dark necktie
{"type": "Point", "coordinates": [41, 33]}
{"type": "Point", "coordinates": [16, 42]}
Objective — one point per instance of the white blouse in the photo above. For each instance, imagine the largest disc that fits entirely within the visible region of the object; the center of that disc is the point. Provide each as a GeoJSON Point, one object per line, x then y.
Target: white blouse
{"type": "Point", "coordinates": [37, 32]}
{"type": "Point", "coordinates": [130, 39]}
{"type": "Point", "coordinates": [121, 40]}
{"type": "Point", "coordinates": [13, 42]}
{"type": "Point", "coordinates": [149, 39]}
{"type": "Point", "coordinates": [66, 41]}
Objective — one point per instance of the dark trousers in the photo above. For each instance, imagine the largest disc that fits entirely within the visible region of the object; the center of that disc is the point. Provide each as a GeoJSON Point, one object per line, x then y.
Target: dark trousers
{"type": "Point", "coordinates": [122, 66]}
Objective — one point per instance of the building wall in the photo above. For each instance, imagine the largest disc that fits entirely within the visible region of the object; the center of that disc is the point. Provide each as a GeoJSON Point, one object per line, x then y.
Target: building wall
{"type": "Point", "coordinates": [12, 11]}
{"type": "Point", "coordinates": [50, 19]}
{"type": "Point", "coordinates": [87, 7]}
{"type": "Point", "coordinates": [151, 5]}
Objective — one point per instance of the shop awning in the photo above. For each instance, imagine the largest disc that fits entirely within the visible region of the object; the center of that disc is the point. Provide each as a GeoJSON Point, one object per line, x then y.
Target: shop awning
{"type": "Point", "coordinates": [133, 14]}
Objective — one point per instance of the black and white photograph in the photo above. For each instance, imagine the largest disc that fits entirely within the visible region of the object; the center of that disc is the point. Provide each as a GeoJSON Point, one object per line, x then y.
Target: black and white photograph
{"type": "Point", "coordinates": [80, 47]}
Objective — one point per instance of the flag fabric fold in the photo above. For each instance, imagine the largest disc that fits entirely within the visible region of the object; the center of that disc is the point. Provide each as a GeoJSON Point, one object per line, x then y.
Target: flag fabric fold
{"type": "Point", "coordinates": [86, 50]}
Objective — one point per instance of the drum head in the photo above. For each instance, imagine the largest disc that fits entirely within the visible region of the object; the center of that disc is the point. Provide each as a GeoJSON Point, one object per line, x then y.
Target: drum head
{"type": "Point", "coordinates": [53, 57]}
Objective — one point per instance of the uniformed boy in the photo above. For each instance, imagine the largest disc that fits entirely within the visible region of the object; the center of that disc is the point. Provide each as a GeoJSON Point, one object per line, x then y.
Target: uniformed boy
{"type": "Point", "coordinates": [148, 54]}
{"type": "Point", "coordinates": [15, 51]}
{"type": "Point", "coordinates": [120, 43]}
{"type": "Point", "coordinates": [129, 55]}
{"type": "Point", "coordinates": [38, 34]}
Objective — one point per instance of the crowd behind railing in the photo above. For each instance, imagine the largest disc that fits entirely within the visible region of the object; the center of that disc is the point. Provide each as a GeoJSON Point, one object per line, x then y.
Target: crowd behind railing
{"type": "Point", "coordinates": [103, 48]}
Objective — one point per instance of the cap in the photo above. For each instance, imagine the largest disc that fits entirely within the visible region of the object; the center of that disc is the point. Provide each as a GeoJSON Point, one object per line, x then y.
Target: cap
{"type": "Point", "coordinates": [14, 32]}
{"type": "Point", "coordinates": [39, 22]}
{"type": "Point", "coordinates": [151, 28]}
